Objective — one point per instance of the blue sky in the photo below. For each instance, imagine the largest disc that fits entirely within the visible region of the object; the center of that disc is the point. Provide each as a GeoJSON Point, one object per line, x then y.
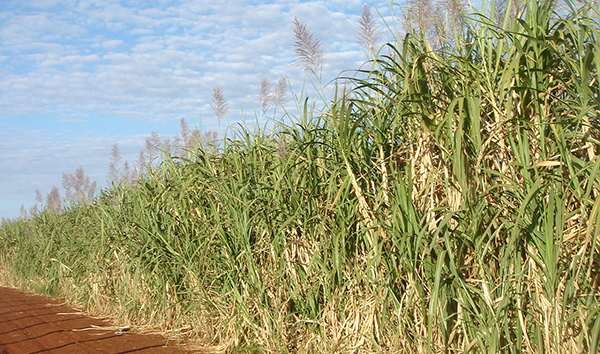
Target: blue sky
{"type": "Point", "coordinates": [77, 76]}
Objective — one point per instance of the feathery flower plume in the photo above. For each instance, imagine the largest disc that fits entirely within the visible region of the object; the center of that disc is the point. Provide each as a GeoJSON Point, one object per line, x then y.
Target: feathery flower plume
{"type": "Point", "coordinates": [422, 16]}
{"type": "Point", "coordinates": [265, 94]}
{"type": "Point", "coordinates": [78, 187]}
{"type": "Point", "coordinates": [185, 133]}
{"type": "Point", "coordinates": [309, 56]}
{"type": "Point", "coordinates": [153, 144]}
{"type": "Point", "coordinates": [280, 91]}
{"type": "Point", "coordinates": [53, 202]}
{"type": "Point", "coordinates": [39, 197]}
{"type": "Point", "coordinates": [210, 139]}
{"type": "Point", "coordinates": [219, 104]}
{"type": "Point", "coordinates": [115, 162]}
{"type": "Point", "coordinates": [368, 31]}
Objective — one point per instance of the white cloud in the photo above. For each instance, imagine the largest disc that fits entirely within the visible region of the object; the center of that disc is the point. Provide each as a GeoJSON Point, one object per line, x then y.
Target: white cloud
{"type": "Point", "coordinates": [73, 62]}
{"type": "Point", "coordinates": [116, 57]}
{"type": "Point", "coordinates": [112, 44]}
{"type": "Point", "coordinates": [20, 31]}
{"type": "Point", "coordinates": [147, 47]}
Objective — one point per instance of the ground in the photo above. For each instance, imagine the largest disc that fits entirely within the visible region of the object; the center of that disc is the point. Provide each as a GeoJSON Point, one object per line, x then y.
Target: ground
{"type": "Point", "coordinates": [31, 323]}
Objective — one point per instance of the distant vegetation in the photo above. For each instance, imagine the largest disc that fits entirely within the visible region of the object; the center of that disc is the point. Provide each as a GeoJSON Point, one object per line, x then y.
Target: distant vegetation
{"type": "Point", "coordinates": [446, 201]}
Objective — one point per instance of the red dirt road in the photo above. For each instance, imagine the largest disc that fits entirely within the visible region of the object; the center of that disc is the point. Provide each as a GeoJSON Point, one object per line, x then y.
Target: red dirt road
{"type": "Point", "coordinates": [38, 324]}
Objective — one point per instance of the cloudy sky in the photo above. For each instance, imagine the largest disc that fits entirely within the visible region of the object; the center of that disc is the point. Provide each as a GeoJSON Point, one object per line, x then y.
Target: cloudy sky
{"type": "Point", "coordinates": [77, 76]}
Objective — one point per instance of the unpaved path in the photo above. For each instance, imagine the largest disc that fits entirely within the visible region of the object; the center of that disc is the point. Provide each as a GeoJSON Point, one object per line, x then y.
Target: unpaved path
{"type": "Point", "coordinates": [32, 323]}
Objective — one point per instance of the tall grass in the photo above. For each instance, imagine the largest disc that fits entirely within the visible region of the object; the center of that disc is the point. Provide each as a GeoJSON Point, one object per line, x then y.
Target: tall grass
{"type": "Point", "coordinates": [450, 205]}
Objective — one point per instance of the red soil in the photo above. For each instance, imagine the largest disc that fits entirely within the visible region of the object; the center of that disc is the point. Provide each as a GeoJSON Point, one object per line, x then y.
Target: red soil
{"type": "Point", "coordinates": [32, 323]}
